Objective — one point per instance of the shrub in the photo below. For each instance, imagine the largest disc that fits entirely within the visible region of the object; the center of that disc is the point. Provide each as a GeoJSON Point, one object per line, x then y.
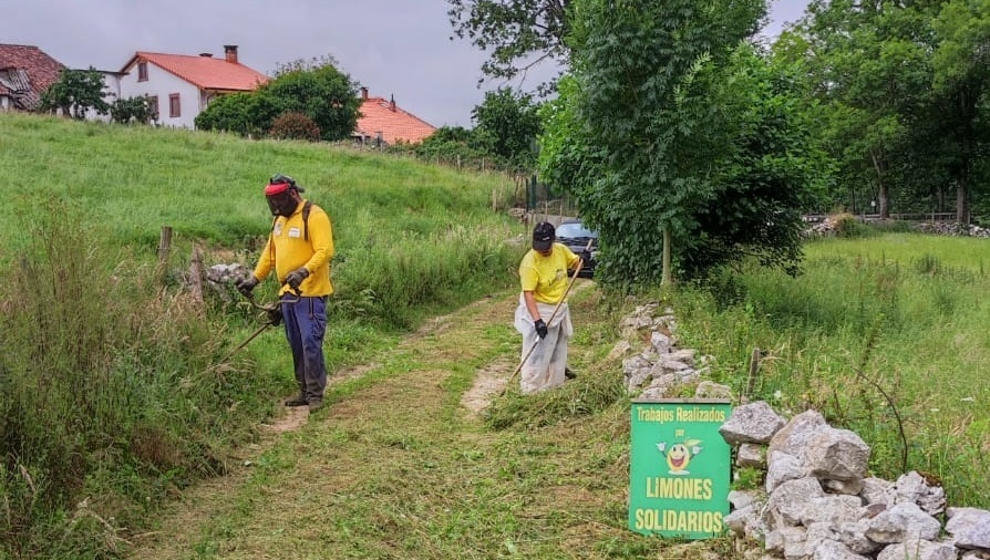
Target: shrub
{"type": "Point", "coordinates": [848, 227]}
{"type": "Point", "coordinates": [241, 113]}
{"type": "Point", "coordinates": [132, 109]}
{"type": "Point", "coordinates": [295, 126]}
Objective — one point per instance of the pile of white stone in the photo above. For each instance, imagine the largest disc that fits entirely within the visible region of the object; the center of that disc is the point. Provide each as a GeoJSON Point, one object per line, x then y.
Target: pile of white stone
{"type": "Point", "coordinates": [661, 368]}
{"type": "Point", "coordinates": [953, 228]}
{"type": "Point", "coordinates": [222, 274]}
{"type": "Point", "coordinates": [819, 504]}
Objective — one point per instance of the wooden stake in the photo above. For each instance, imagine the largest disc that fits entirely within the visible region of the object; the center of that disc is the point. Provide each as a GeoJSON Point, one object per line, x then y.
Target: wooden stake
{"type": "Point", "coordinates": [665, 279]}
{"type": "Point", "coordinates": [754, 367]}
{"type": "Point", "coordinates": [196, 275]}
{"type": "Point", "coordinates": [164, 244]}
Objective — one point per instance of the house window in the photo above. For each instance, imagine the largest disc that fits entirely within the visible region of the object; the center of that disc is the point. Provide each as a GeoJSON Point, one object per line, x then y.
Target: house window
{"type": "Point", "coordinates": [142, 71]}
{"type": "Point", "coordinates": [153, 106]}
{"type": "Point", "coordinates": [174, 109]}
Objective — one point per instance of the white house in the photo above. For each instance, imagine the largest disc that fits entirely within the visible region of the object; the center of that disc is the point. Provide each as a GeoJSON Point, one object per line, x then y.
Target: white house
{"type": "Point", "coordinates": [180, 86]}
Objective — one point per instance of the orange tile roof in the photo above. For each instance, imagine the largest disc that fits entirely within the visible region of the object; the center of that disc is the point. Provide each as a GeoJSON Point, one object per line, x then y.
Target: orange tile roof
{"type": "Point", "coordinates": [377, 116]}
{"type": "Point", "coordinates": [205, 72]}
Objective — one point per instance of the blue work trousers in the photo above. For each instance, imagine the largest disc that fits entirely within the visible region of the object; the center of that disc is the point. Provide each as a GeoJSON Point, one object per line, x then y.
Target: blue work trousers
{"type": "Point", "coordinates": [305, 324]}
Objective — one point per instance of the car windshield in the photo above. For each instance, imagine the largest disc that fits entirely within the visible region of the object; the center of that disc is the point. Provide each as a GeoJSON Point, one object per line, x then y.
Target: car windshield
{"type": "Point", "coordinates": [574, 230]}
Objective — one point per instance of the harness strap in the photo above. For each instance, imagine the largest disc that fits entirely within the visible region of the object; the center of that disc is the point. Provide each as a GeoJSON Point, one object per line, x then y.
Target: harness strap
{"type": "Point", "coordinates": [306, 209]}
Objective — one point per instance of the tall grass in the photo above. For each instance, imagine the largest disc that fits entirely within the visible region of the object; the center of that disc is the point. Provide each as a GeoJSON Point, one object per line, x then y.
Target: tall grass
{"type": "Point", "coordinates": [109, 399]}
{"type": "Point", "coordinates": [907, 311]}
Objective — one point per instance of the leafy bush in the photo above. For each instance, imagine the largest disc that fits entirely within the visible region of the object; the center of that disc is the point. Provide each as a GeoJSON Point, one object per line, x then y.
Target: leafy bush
{"type": "Point", "coordinates": [449, 144]}
{"type": "Point", "coordinates": [294, 126]}
{"type": "Point", "coordinates": [132, 109]}
{"type": "Point", "coordinates": [848, 227]}
{"type": "Point", "coordinates": [241, 113]}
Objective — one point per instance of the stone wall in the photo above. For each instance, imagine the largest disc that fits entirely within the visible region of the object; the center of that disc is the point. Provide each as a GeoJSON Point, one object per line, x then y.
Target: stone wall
{"type": "Point", "coordinates": [817, 500]}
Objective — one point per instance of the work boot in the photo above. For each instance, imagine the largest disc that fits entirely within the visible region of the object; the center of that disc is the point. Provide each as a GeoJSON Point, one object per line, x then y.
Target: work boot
{"type": "Point", "coordinates": [298, 400]}
{"type": "Point", "coordinates": [315, 404]}
{"type": "Point", "coordinates": [568, 374]}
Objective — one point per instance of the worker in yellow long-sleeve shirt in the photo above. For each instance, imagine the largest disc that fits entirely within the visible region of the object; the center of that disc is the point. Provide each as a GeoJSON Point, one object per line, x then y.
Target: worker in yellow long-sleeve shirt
{"type": "Point", "coordinates": [299, 248]}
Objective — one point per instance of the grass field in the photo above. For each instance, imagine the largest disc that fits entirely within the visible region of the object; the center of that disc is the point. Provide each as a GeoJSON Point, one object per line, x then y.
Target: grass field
{"type": "Point", "coordinates": [111, 396]}
{"type": "Point", "coordinates": [909, 311]}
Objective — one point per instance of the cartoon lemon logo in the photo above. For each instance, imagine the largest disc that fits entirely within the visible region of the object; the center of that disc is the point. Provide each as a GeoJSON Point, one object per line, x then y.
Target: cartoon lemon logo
{"type": "Point", "coordinates": [679, 455]}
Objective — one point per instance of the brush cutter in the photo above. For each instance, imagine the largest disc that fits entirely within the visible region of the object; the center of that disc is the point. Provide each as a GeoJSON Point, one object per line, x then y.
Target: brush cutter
{"type": "Point", "coordinates": [271, 314]}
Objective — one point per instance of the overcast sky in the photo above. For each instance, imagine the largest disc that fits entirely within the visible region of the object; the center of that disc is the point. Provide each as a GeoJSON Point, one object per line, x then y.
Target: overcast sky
{"type": "Point", "coordinates": [399, 47]}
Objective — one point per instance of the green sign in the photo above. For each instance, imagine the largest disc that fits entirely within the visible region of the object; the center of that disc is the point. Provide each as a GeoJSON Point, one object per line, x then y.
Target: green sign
{"type": "Point", "coordinates": [679, 468]}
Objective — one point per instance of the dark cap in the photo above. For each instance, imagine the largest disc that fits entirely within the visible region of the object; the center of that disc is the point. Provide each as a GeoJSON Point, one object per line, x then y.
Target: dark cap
{"type": "Point", "coordinates": [543, 236]}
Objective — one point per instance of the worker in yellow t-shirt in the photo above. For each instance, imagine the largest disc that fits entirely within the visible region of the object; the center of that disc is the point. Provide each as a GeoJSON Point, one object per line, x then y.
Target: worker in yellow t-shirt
{"type": "Point", "coordinates": [299, 248]}
{"type": "Point", "coordinates": [544, 278]}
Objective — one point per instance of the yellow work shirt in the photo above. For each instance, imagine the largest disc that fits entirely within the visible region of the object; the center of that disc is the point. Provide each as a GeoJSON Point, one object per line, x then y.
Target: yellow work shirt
{"type": "Point", "coordinates": [546, 277]}
{"type": "Point", "coordinates": [287, 250]}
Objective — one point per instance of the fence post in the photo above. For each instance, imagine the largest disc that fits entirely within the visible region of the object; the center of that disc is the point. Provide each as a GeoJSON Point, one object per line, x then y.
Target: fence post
{"type": "Point", "coordinates": [665, 279]}
{"type": "Point", "coordinates": [164, 248]}
{"type": "Point", "coordinates": [196, 275]}
{"type": "Point", "coordinates": [164, 244]}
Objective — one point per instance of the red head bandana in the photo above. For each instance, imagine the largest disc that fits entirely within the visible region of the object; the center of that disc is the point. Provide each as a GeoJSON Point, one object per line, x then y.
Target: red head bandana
{"type": "Point", "coordinates": [276, 188]}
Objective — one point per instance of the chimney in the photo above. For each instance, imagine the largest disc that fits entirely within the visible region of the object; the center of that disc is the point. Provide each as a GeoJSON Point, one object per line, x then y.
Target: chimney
{"type": "Point", "coordinates": [206, 55]}
{"type": "Point", "coordinates": [230, 52]}
{"type": "Point", "coordinates": [364, 94]}
{"type": "Point", "coordinates": [391, 103]}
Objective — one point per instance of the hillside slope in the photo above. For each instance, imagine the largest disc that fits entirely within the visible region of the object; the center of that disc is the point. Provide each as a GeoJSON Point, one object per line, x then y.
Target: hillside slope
{"type": "Point", "coordinates": [113, 392]}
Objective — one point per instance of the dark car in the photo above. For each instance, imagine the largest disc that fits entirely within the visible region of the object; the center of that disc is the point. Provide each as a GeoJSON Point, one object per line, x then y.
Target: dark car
{"type": "Point", "coordinates": [575, 236]}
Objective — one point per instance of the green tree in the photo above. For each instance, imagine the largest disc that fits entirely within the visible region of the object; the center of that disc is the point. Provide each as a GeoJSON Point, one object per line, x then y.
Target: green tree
{"type": "Point", "coordinates": [902, 87]}
{"type": "Point", "coordinates": [517, 34]}
{"type": "Point", "coordinates": [961, 94]}
{"type": "Point", "coordinates": [873, 69]}
{"type": "Point", "coordinates": [507, 124]}
{"type": "Point", "coordinates": [666, 122]}
{"type": "Point", "coordinates": [75, 92]}
{"type": "Point", "coordinates": [321, 92]}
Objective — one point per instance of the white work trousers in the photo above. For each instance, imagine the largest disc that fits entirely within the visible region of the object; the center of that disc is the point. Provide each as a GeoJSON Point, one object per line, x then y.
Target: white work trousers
{"type": "Point", "coordinates": [545, 367]}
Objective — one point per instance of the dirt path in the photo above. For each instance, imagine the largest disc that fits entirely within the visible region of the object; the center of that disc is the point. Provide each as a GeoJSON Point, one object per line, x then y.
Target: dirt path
{"type": "Point", "coordinates": [301, 464]}
{"type": "Point", "coordinates": [395, 466]}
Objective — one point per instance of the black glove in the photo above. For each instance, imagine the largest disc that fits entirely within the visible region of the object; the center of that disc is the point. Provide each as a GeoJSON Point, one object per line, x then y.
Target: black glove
{"type": "Point", "coordinates": [245, 285]}
{"type": "Point", "coordinates": [541, 328]}
{"type": "Point", "coordinates": [295, 278]}
{"type": "Point", "coordinates": [275, 316]}
{"type": "Point", "coordinates": [586, 257]}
